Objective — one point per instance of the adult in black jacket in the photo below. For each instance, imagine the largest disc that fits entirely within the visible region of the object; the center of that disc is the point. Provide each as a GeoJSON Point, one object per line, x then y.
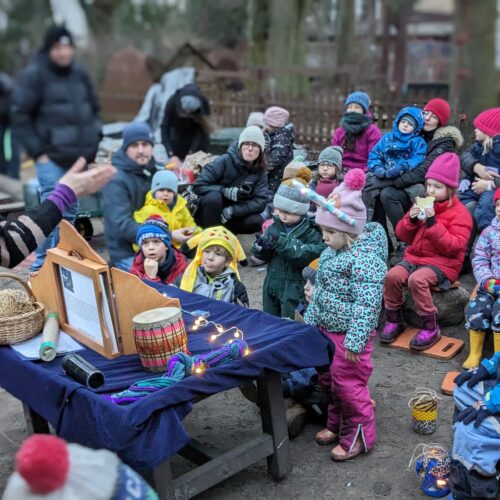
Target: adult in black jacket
{"type": "Point", "coordinates": [127, 191]}
{"type": "Point", "coordinates": [233, 188]}
{"type": "Point", "coordinates": [54, 115]}
{"type": "Point", "coordinates": [185, 129]}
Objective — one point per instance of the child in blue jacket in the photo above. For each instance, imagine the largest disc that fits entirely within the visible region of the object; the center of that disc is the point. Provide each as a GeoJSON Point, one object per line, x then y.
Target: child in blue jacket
{"type": "Point", "coordinates": [398, 152]}
{"type": "Point", "coordinates": [476, 445]}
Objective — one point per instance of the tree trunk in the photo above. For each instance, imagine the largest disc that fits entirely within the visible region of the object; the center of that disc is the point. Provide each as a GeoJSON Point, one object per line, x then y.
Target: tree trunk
{"type": "Point", "coordinates": [401, 46]}
{"type": "Point", "coordinates": [344, 31]}
{"type": "Point", "coordinates": [258, 30]}
{"type": "Point", "coordinates": [472, 76]}
{"type": "Point", "coordinates": [288, 44]}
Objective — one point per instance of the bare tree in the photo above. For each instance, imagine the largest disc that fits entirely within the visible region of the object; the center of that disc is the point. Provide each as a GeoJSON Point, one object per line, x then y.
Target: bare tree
{"type": "Point", "coordinates": [473, 83]}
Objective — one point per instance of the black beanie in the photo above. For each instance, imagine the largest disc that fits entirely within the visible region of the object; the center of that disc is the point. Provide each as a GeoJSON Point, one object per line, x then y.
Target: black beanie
{"type": "Point", "coordinates": [55, 34]}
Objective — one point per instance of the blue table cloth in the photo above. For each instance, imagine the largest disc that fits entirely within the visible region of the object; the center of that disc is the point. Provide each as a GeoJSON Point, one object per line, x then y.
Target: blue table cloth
{"type": "Point", "coordinates": [147, 432]}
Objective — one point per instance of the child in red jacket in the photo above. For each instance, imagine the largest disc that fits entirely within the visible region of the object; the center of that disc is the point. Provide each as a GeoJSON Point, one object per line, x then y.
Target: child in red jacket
{"type": "Point", "coordinates": [437, 240]}
{"type": "Point", "coordinates": [157, 260]}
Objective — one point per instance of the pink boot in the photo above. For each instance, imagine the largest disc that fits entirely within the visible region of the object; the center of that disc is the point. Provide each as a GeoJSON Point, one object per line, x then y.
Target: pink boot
{"type": "Point", "coordinates": [393, 327]}
{"type": "Point", "coordinates": [429, 334]}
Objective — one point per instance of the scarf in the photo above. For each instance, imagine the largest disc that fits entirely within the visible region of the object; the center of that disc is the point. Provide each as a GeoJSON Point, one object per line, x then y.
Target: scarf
{"type": "Point", "coordinates": [355, 124]}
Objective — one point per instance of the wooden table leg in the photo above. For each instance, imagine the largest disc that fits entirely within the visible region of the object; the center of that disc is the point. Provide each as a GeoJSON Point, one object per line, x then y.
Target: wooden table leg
{"type": "Point", "coordinates": [163, 481]}
{"type": "Point", "coordinates": [34, 422]}
{"type": "Point", "coordinates": [273, 415]}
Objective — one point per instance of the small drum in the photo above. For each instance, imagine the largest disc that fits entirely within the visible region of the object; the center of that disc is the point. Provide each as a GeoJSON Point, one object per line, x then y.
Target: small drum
{"type": "Point", "coordinates": [159, 334]}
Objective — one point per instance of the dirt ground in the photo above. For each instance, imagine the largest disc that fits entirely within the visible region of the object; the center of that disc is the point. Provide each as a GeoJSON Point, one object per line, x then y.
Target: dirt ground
{"type": "Point", "coordinates": [226, 419]}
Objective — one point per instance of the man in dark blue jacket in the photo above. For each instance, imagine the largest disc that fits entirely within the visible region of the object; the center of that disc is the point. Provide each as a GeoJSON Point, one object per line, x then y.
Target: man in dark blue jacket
{"type": "Point", "coordinates": [127, 191]}
{"type": "Point", "coordinates": [54, 115]}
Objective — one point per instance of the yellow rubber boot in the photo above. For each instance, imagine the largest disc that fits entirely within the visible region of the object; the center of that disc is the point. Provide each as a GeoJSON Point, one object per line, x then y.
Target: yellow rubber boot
{"type": "Point", "coordinates": [496, 341]}
{"type": "Point", "coordinates": [476, 348]}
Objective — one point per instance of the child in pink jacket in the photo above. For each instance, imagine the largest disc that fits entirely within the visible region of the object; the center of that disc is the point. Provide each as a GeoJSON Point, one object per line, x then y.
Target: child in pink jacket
{"type": "Point", "coordinates": [357, 133]}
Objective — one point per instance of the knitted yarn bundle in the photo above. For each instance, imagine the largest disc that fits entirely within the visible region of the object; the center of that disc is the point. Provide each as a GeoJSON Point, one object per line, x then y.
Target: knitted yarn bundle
{"type": "Point", "coordinates": [180, 366]}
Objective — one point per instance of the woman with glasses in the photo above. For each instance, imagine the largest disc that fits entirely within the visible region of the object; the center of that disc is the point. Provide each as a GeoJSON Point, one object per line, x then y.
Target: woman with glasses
{"type": "Point", "coordinates": [233, 188]}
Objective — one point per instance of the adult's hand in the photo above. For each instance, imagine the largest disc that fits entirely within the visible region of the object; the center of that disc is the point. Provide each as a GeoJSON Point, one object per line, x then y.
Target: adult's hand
{"type": "Point", "coordinates": [481, 171]}
{"type": "Point", "coordinates": [479, 186]}
{"type": "Point", "coordinates": [84, 182]}
{"type": "Point", "coordinates": [182, 235]}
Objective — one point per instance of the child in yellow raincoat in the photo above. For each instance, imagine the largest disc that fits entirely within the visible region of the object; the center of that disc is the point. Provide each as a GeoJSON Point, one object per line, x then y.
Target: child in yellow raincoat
{"type": "Point", "coordinates": [164, 200]}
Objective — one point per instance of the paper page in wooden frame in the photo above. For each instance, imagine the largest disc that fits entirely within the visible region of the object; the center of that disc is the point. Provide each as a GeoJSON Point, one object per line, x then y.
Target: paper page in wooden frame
{"type": "Point", "coordinates": [81, 292]}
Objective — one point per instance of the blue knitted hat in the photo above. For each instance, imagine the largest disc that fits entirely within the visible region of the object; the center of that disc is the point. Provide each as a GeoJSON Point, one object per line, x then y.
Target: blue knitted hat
{"type": "Point", "coordinates": [136, 131]}
{"type": "Point", "coordinates": [361, 98]}
{"type": "Point", "coordinates": [164, 179]}
{"type": "Point", "coordinates": [153, 227]}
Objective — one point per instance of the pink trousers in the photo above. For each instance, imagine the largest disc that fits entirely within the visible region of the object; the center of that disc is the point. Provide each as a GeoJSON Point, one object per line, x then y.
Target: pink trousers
{"type": "Point", "coordinates": [350, 412]}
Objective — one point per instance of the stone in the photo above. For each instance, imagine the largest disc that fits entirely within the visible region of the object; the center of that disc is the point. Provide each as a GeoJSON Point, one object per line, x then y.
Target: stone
{"type": "Point", "coordinates": [450, 307]}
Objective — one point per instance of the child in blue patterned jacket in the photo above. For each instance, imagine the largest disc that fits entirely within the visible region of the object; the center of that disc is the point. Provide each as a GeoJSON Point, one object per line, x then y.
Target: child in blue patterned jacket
{"type": "Point", "coordinates": [483, 311]}
{"type": "Point", "coordinates": [476, 428]}
{"type": "Point", "coordinates": [346, 305]}
{"type": "Point", "coordinates": [397, 152]}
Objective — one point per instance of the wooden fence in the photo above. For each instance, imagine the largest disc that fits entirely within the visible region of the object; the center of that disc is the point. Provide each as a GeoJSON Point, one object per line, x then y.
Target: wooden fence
{"type": "Point", "coordinates": [314, 116]}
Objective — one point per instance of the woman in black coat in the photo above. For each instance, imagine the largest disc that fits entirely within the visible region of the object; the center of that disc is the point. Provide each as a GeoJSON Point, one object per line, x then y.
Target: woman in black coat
{"type": "Point", "coordinates": [185, 126]}
{"type": "Point", "coordinates": [233, 188]}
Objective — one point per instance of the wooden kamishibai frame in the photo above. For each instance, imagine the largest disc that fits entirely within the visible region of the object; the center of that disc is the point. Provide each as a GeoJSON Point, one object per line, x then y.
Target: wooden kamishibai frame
{"type": "Point", "coordinates": [115, 296]}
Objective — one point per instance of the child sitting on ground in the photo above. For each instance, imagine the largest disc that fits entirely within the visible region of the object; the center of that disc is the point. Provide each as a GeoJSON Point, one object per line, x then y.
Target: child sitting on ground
{"type": "Point", "coordinates": [481, 162]}
{"type": "Point", "coordinates": [483, 311]}
{"type": "Point", "coordinates": [437, 239]}
{"type": "Point", "coordinates": [164, 200]}
{"type": "Point", "coordinates": [476, 444]}
{"type": "Point", "coordinates": [157, 260]}
{"type": "Point", "coordinates": [399, 151]}
{"type": "Point", "coordinates": [329, 171]}
{"type": "Point", "coordinates": [289, 244]}
{"type": "Point", "coordinates": [214, 270]}
{"type": "Point", "coordinates": [346, 305]}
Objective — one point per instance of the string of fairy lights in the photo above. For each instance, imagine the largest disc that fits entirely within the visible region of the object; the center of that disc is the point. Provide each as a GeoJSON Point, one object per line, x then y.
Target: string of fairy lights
{"type": "Point", "coordinates": [201, 322]}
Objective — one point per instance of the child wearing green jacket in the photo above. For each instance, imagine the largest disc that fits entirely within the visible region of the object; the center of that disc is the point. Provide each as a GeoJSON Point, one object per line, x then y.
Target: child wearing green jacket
{"type": "Point", "coordinates": [288, 245]}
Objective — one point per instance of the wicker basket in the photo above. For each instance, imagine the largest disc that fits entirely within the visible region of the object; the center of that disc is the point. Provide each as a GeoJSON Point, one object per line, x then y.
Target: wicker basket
{"type": "Point", "coordinates": [21, 327]}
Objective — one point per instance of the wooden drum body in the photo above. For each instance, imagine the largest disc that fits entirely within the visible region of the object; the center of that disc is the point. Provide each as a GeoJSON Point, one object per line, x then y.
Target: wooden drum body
{"type": "Point", "coordinates": [159, 334]}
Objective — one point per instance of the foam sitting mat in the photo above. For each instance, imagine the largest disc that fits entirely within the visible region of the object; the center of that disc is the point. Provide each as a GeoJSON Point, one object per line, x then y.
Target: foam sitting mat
{"type": "Point", "coordinates": [448, 385]}
{"type": "Point", "coordinates": [445, 348]}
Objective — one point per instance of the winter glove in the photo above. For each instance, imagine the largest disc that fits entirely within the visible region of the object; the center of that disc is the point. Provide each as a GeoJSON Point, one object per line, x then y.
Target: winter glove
{"type": "Point", "coordinates": [464, 185]}
{"type": "Point", "coordinates": [373, 182]}
{"type": "Point", "coordinates": [244, 192]}
{"type": "Point", "coordinates": [266, 243]}
{"type": "Point", "coordinates": [226, 215]}
{"type": "Point", "coordinates": [231, 193]}
{"type": "Point", "coordinates": [476, 414]}
{"type": "Point", "coordinates": [491, 286]}
{"type": "Point", "coordinates": [472, 376]}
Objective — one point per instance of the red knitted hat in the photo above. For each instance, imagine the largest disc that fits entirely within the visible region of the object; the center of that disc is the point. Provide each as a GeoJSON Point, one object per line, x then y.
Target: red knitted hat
{"type": "Point", "coordinates": [489, 122]}
{"type": "Point", "coordinates": [440, 108]}
{"type": "Point", "coordinates": [446, 169]}
{"type": "Point", "coordinates": [496, 196]}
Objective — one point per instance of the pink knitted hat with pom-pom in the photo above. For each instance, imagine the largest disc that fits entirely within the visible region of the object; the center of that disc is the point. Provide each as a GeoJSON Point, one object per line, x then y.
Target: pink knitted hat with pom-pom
{"type": "Point", "coordinates": [347, 199]}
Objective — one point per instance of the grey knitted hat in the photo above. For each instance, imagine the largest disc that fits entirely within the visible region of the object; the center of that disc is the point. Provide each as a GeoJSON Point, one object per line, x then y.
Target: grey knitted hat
{"type": "Point", "coordinates": [252, 134]}
{"type": "Point", "coordinates": [331, 155]}
{"type": "Point", "coordinates": [290, 200]}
